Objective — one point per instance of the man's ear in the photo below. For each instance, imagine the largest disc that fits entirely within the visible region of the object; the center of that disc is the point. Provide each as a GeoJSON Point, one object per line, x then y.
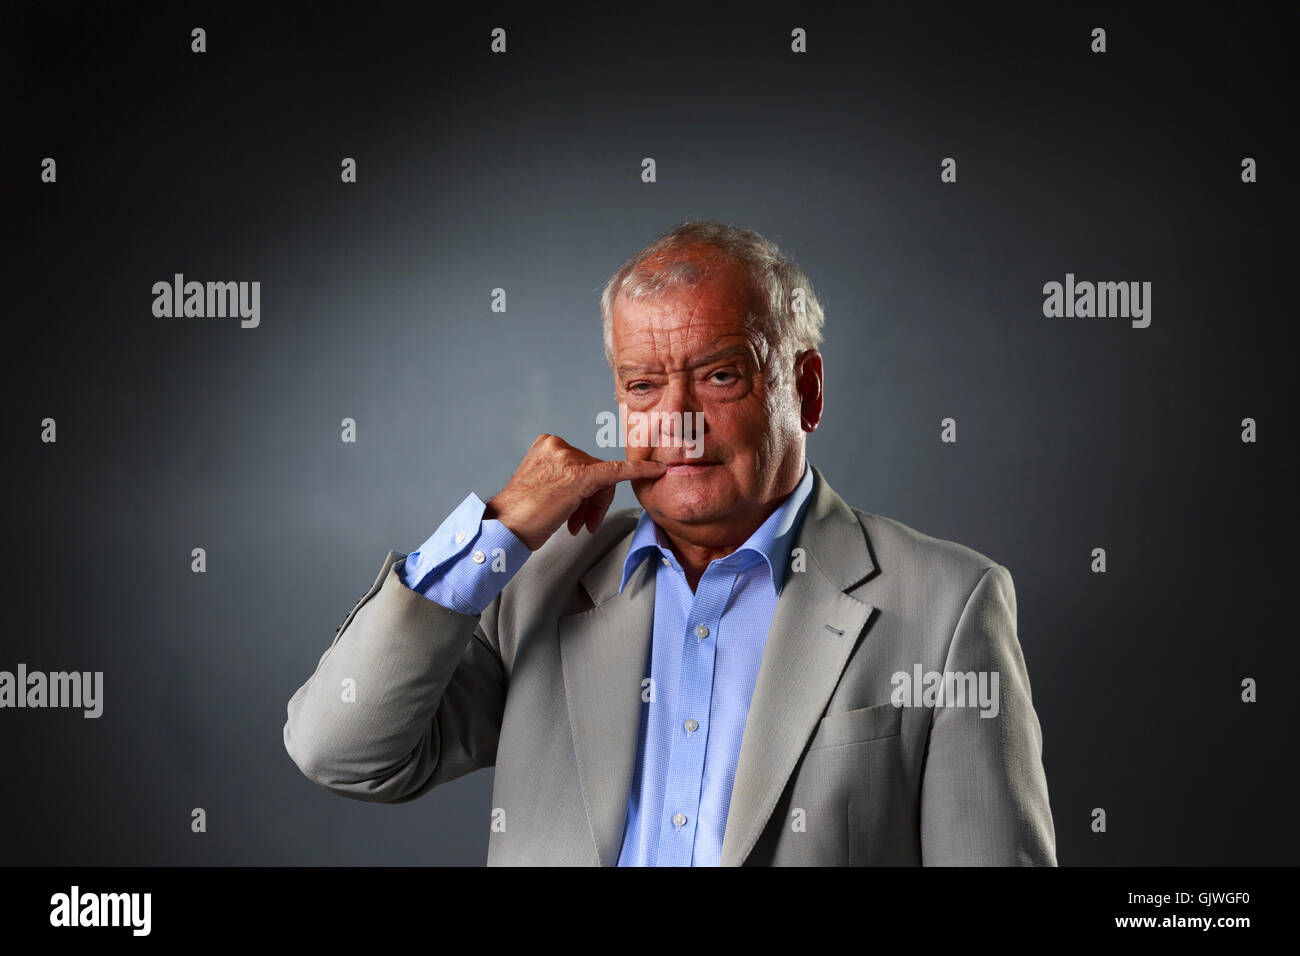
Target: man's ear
{"type": "Point", "coordinates": [808, 381]}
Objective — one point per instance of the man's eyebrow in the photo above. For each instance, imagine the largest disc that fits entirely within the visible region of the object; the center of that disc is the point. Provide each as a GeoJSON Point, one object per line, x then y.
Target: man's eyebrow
{"type": "Point", "coordinates": [729, 352]}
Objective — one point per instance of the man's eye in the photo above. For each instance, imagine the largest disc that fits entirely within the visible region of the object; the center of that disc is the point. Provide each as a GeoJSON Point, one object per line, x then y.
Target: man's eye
{"type": "Point", "coordinates": [638, 387]}
{"type": "Point", "coordinates": [729, 375]}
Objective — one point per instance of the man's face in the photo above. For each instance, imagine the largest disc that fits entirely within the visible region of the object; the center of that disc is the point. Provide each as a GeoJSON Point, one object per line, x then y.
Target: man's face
{"type": "Point", "coordinates": [690, 351]}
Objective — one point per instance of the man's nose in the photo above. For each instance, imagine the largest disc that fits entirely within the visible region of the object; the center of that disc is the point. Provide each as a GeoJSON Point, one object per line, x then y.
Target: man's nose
{"type": "Point", "coordinates": [684, 420]}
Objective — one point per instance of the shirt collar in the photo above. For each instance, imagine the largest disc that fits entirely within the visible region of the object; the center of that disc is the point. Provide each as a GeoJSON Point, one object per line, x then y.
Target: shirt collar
{"type": "Point", "coordinates": [771, 542]}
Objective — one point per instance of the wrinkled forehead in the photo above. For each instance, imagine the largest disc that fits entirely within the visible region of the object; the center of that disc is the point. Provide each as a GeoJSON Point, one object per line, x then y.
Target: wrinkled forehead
{"type": "Point", "coordinates": [687, 317]}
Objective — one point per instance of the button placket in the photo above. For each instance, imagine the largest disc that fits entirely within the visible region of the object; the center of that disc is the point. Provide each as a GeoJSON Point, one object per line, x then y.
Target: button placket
{"type": "Point", "coordinates": [685, 771]}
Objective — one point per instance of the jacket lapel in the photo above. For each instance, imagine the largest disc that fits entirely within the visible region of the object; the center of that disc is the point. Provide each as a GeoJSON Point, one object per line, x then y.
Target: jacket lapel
{"type": "Point", "coordinates": [604, 651]}
{"type": "Point", "coordinates": [814, 629]}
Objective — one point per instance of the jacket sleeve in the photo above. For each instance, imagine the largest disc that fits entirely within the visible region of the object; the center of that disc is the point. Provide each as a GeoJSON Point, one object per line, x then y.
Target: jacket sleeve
{"type": "Point", "coordinates": [410, 694]}
{"type": "Point", "coordinates": [983, 790]}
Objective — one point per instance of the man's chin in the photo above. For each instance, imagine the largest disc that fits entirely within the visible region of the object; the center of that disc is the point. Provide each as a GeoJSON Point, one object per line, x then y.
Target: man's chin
{"type": "Point", "coordinates": [672, 498]}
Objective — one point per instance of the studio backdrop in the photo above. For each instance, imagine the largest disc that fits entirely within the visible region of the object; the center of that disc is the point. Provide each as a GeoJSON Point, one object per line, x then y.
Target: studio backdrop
{"type": "Point", "coordinates": [1055, 253]}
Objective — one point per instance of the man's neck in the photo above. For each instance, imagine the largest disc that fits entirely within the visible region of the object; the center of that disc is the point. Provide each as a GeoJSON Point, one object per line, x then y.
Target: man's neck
{"type": "Point", "coordinates": [695, 557]}
{"type": "Point", "coordinates": [696, 549]}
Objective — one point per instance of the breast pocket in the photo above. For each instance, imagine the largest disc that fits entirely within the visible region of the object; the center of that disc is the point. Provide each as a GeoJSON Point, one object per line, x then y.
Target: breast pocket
{"type": "Point", "coordinates": [855, 726]}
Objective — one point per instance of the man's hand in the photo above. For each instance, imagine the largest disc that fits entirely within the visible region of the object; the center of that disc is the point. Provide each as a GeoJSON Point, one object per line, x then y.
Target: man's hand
{"type": "Point", "coordinates": [556, 481]}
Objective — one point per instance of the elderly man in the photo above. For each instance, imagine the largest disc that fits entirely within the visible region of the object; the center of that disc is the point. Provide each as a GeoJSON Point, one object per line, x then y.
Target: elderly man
{"type": "Point", "coordinates": [746, 672]}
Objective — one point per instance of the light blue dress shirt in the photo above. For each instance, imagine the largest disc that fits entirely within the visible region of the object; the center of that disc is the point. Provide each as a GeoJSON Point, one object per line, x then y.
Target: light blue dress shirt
{"type": "Point", "coordinates": [705, 653]}
{"type": "Point", "coordinates": [704, 660]}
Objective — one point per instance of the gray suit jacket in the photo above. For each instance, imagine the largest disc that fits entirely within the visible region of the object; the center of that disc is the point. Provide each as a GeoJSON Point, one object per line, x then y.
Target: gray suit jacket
{"type": "Point", "coordinates": [545, 685]}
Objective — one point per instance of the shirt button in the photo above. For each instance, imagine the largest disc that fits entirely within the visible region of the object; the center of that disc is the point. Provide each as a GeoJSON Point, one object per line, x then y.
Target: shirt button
{"type": "Point", "coordinates": [679, 819]}
{"type": "Point", "coordinates": [479, 557]}
{"type": "Point", "coordinates": [460, 536]}
{"type": "Point", "coordinates": [701, 631]}
{"type": "Point", "coordinates": [667, 563]}
{"type": "Point", "coordinates": [692, 725]}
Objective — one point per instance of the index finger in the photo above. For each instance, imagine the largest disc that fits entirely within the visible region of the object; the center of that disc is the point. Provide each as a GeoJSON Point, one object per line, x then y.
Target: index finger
{"type": "Point", "coordinates": [606, 473]}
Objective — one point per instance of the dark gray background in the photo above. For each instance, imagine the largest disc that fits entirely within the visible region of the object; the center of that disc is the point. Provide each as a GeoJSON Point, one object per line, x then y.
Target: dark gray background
{"type": "Point", "coordinates": [522, 171]}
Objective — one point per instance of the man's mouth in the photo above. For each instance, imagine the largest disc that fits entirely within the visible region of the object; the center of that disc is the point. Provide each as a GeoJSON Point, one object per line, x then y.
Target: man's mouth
{"type": "Point", "coordinates": [687, 466]}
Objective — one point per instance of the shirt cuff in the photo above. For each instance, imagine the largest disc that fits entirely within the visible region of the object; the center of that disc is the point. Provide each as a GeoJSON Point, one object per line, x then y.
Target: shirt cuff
{"type": "Point", "coordinates": [467, 561]}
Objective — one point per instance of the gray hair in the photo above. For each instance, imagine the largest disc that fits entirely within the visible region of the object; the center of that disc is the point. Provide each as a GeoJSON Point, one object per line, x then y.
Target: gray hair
{"type": "Point", "coordinates": [773, 277]}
